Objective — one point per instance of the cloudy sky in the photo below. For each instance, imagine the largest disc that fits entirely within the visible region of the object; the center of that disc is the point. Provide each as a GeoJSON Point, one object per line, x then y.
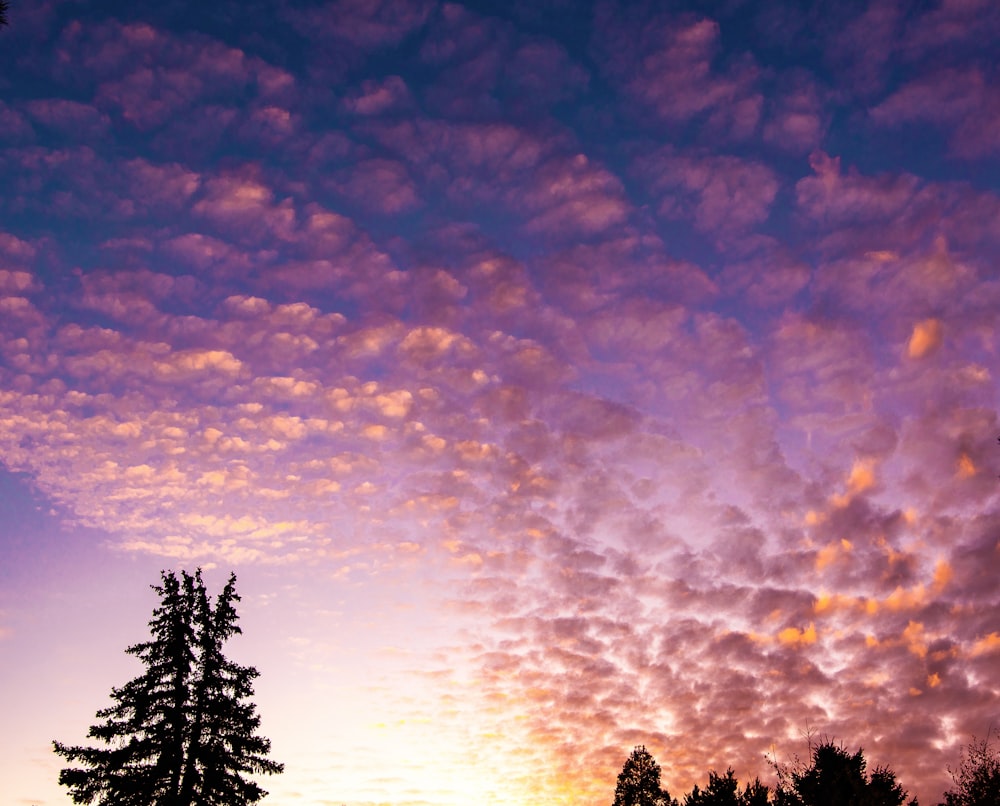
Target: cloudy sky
{"type": "Point", "coordinates": [556, 377]}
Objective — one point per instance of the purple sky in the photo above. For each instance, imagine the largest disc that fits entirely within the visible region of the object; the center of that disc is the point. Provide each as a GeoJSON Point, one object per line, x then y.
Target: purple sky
{"type": "Point", "coordinates": [556, 377]}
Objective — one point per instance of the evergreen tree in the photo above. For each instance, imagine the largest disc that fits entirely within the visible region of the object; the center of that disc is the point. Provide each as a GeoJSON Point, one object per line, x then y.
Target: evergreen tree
{"type": "Point", "coordinates": [184, 732]}
{"type": "Point", "coordinates": [723, 790]}
{"type": "Point", "coordinates": [755, 794]}
{"type": "Point", "coordinates": [639, 782]}
{"type": "Point", "coordinates": [838, 778]}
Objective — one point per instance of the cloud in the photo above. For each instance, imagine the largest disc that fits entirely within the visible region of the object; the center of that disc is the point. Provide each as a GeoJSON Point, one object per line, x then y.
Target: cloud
{"type": "Point", "coordinates": [770, 275]}
{"type": "Point", "coordinates": [553, 192]}
{"type": "Point", "coordinates": [834, 196]}
{"type": "Point", "coordinates": [365, 24]}
{"type": "Point", "coordinates": [147, 75]}
{"type": "Point", "coordinates": [70, 117]}
{"type": "Point", "coordinates": [668, 66]}
{"type": "Point", "coordinates": [950, 29]}
{"type": "Point", "coordinates": [963, 102]}
{"type": "Point", "coordinates": [860, 47]}
{"type": "Point", "coordinates": [378, 97]}
{"type": "Point", "coordinates": [796, 119]}
{"type": "Point", "coordinates": [14, 126]}
{"type": "Point", "coordinates": [379, 186]}
{"type": "Point", "coordinates": [486, 66]}
{"type": "Point", "coordinates": [927, 337]}
{"type": "Point", "coordinates": [722, 195]}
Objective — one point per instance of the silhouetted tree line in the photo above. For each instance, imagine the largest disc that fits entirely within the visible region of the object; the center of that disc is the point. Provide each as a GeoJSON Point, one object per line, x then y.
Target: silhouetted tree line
{"type": "Point", "coordinates": [184, 733]}
{"type": "Point", "coordinates": [831, 777]}
{"type": "Point", "coordinates": [3, 12]}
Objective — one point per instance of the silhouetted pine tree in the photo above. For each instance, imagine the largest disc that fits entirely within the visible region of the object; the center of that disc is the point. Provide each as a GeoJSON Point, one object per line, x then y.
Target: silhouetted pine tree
{"type": "Point", "coordinates": [837, 778]}
{"type": "Point", "coordinates": [183, 733]}
{"type": "Point", "coordinates": [723, 790]}
{"type": "Point", "coordinates": [639, 782]}
{"type": "Point", "coordinates": [3, 13]}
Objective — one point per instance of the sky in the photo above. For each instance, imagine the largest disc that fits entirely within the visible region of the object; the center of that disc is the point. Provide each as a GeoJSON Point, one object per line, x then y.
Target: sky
{"type": "Point", "coordinates": [556, 377]}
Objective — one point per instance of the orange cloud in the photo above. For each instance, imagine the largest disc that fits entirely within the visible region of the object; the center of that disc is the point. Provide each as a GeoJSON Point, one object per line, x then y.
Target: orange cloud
{"type": "Point", "coordinates": [792, 636]}
{"type": "Point", "coordinates": [943, 574]}
{"type": "Point", "coordinates": [860, 479]}
{"type": "Point", "coordinates": [987, 645]}
{"type": "Point", "coordinates": [829, 554]}
{"type": "Point", "coordinates": [965, 467]}
{"type": "Point", "coordinates": [862, 476]}
{"type": "Point", "coordinates": [900, 599]}
{"type": "Point", "coordinates": [915, 639]}
{"type": "Point", "coordinates": [830, 603]}
{"type": "Point", "coordinates": [926, 337]}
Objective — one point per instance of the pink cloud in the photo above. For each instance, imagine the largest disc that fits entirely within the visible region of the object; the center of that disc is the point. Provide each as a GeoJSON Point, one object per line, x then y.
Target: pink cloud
{"type": "Point", "coordinates": [16, 250]}
{"type": "Point", "coordinates": [376, 97]}
{"type": "Point", "coordinates": [796, 119]}
{"type": "Point", "coordinates": [722, 195]}
{"type": "Point", "coordinates": [324, 249]}
{"type": "Point", "coordinates": [570, 195]}
{"type": "Point", "coordinates": [965, 102]}
{"type": "Point", "coordinates": [486, 65]}
{"type": "Point", "coordinates": [15, 282]}
{"type": "Point", "coordinates": [149, 76]}
{"type": "Point", "coordinates": [148, 98]}
{"type": "Point", "coordinates": [835, 197]}
{"type": "Point", "coordinates": [861, 47]}
{"type": "Point", "coordinates": [205, 252]}
{"type": "Point", "coordinates": [554, 192]}
{"type": "Point", "coordinates": [69, 117]}
{"type": "Point", "coordinates": [379, 185]}
{"type": "Point", "coordinates": [14, 126]}
{"type": "Point", "coordinates": [588, 276]}
{"type": "Point", "coordinates": [901, 247]}
{"type": "Point", "coordinates": [771, 275]}
{"type": "Point", "coordinates": [821, 365]}
{"type": "Point", "coordinates": [73, 181]}
{"type": "Point", "coordinates": [454, 156]}
{"type": "Point", "coordinates": [160, 185]}
{"type": "Point", "coordinates": [667, 65]}
{"type": "Point", "coordinates": [365, 24]}
{"type": "Point", "coordinates": [243, 203]}
{"type": "Point", "coordinates": [194, 135]}
{"type": "Point", "coordinates": [78, 181]}
{"type": "Point", "coordinates": [136, 296]}
{"type": "Point", "coordinates": [274, 84]}
{"type": "Point", "coordinates": [544, 71]}
{"type": "Point", "coordinates": [969, 25]}
{"type": "Point", "coordinates": [460, 34]}
{"type": "Point", "coordinates": [269, 126]}
{"type": "Point", "coordinates": [636, 327]}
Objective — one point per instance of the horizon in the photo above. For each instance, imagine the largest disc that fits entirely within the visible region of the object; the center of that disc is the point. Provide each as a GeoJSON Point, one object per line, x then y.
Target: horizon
{"type": "Point", "coordinates": [556, 378]}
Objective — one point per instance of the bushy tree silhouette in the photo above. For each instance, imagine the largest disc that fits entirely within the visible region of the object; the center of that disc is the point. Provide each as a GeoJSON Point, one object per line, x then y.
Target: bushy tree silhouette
{"type": "Point", "coordinates": [639, 782]}
{"type": "Point", "coordinates": [3, 12]}
{"type": "Point", "coordinates": [977, 779]}
{"type": "Point", "coordinates": [724, 790]}
{"type": "Point", "coordinates": [837, 778]}
{"type": "Point", "coordinates": [184, 732]}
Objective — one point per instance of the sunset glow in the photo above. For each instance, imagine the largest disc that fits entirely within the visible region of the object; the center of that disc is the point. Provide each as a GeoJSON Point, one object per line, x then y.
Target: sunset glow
{"type": "Point", "coordinates": [556, 377]}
